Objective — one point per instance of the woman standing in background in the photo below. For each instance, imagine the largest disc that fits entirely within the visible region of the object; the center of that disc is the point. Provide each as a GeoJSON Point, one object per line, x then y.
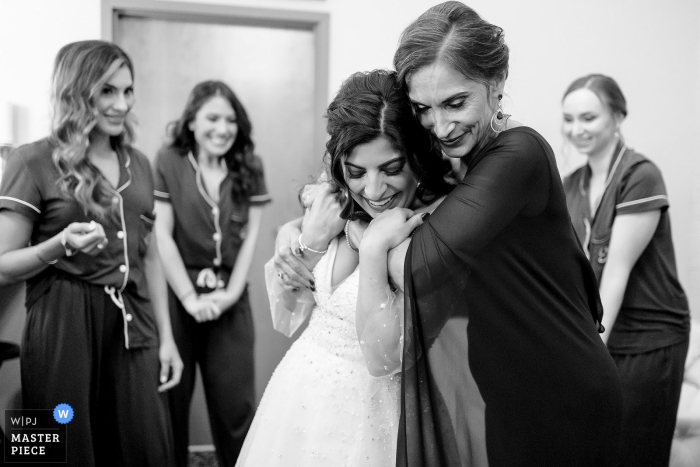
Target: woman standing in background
{"type": "Point", "coordinates": [97, 335]}
{"type": "Point", "coordinates": [619, 209]}
{"type": "Point", "coordinates": [210, 193]}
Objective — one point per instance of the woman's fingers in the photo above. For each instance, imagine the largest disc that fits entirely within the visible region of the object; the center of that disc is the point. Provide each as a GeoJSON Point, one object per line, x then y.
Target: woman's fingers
{"type": "Point", "coordinates": [393, 226]}
{"type": "Point", "coordinates": [295, 246]}
{"type": "Point", "coordinates": [87, 237]}
{"type": "Point", "coordinates": [215, 310]}
{"type": "Point", "coordinates": [288, 235]}
{"type": "Point", "coordinates": [310, 193]}
{"type": "Point", "coordinates": [171, 366]}
{"type": "Point", "coordinates": [206, 313]}
{"type": "Point", "coordinates": [81, 228]}
{"type": "Point", "coordinates": [288, 283]}
{"type": "Point", "coordinates": [414, 221]}
{"type": "Point", "coordinates": [95, 243]}
{"type": "Point", "coordinates": [286, 263]}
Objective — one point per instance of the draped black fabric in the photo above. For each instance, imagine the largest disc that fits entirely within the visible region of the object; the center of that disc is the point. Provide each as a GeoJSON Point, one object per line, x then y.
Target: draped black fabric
{"type": "Point", "coordinates": [501, 250]}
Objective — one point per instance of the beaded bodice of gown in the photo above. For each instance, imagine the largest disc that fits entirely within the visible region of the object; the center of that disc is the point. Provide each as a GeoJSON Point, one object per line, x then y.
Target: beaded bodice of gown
{"type": "Point", "coordinates": [321, 406]}
{"type": "Point", "coordinates": [332, 324]}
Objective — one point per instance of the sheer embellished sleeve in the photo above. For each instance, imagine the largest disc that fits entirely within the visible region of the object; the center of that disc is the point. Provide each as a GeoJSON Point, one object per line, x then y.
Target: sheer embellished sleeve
{"type": "Point", "coordinates": [381, 335]}
{"type": "Point", "coordinates": [380, 309]}
{"type": "Point", "coordinates": [289, 309]}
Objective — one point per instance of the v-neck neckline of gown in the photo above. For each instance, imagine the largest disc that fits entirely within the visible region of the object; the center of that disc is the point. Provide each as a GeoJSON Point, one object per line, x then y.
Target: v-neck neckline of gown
{"type": "Point", "coordinates": [333, 253]}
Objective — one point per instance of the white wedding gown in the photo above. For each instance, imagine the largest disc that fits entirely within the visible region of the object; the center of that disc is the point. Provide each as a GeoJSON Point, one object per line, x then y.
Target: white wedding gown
{"type": "Point", "coordinates": [321, 406]}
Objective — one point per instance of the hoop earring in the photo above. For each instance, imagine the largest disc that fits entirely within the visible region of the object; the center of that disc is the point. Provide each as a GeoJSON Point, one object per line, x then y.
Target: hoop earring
{"type": "Point", "coordinates": [499, 119]}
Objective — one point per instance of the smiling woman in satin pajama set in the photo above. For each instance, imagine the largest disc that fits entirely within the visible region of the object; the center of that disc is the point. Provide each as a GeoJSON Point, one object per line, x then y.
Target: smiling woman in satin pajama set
{"type": "Point", "coordinates": [97, 335]}
{"type": "Point", "coordinates": [210, 193]}
{"type": "Point", "coordinates": [620, 211]}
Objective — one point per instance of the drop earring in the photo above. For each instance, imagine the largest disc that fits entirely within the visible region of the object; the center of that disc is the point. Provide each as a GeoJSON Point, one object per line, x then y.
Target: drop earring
{"type": "Point", "coordinates": [499, 120]}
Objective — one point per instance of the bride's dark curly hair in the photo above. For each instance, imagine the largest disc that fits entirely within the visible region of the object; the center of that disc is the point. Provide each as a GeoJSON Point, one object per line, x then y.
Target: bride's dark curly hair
{"type": "Point", "coordinates": [371, 105]}
{"type": "Point", "coordinates": [241, 162]}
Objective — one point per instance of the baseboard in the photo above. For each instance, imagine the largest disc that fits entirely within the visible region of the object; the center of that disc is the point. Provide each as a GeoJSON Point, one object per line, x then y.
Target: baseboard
{"type": "Point", "coordinates": [202, 448]}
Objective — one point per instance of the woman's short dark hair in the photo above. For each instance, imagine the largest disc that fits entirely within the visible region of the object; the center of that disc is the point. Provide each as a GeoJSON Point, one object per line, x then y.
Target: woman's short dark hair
{"type": "Point", "coordinates": [605, 88]}
{"type": "Point", "coordinates": [455, 34]}
{"type": "Point", "coordinates": [371, 105]}
{"type": "Point", "coordinates": [240, 159]}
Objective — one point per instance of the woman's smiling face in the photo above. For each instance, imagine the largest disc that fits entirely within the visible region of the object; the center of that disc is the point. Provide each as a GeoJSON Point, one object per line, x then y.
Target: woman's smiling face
{"type": "Point", "coordinates": [588, 123]}
{"type": "Point", "coordinates": [214, 127]}
{"type": "Point", "coordinates": [456, 111]}
{"type": "Point", "coordinates": [114, 102]}
{"type": "Point", "coordinates": [379, 177]}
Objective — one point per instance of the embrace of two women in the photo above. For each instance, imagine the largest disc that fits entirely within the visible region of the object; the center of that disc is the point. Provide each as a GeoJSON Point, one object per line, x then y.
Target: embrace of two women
{"type": "Point", "coordinates": [456, 317]}
{"type": "Point", "coordinates": [398, 259]}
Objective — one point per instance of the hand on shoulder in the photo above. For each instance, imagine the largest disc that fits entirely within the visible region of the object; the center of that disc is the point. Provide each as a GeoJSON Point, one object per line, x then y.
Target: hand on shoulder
{"type": "Point", "coordinates": [389, 229]}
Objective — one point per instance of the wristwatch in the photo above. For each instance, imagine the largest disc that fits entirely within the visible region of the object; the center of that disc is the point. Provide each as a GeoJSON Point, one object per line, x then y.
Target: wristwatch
{"type": "Point", "coordinates": [64, 242]}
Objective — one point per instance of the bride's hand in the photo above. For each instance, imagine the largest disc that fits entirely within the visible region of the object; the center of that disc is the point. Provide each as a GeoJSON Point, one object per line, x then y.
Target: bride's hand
{"type": "Point", "coordinates": [390, 228]}
{"type": "Point", "coordinates": [322, 221]}
{"type": "Point", "coordinates": [292, 273]}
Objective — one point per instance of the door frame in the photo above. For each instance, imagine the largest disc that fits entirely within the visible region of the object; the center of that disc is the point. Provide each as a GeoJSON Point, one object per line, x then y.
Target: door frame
{"type": "Point", "coordinates": [315, 22]}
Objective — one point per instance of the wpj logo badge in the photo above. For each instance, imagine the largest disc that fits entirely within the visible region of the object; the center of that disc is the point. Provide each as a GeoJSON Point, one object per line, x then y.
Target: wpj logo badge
{"type": "Point", "coordinates": [37, 435]}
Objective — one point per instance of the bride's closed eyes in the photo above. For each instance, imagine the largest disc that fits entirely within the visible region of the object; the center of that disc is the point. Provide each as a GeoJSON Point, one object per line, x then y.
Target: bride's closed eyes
{"type": "Point", "coordinates": [391, 168]}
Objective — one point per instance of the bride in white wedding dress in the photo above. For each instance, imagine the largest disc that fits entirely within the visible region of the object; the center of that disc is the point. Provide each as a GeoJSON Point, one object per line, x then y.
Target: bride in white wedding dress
{"type": "Point", "coordinates": [321, 406]}
{"type": "Point", "coordinates": [327, 404]}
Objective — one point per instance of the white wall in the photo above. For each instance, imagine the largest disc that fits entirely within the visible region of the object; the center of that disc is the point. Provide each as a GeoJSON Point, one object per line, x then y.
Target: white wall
{"type": "Point", "coordinates": [652, 48]}
{"type": "Point", "coordinates": [31, 32]}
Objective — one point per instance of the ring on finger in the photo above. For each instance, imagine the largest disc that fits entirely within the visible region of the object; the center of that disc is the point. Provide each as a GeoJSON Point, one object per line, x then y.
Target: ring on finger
{"type": "Point", "coordinates": [279, 274]}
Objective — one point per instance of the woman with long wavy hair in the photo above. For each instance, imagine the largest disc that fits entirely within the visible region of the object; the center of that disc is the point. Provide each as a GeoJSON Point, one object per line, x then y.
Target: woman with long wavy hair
{"type": "Point", "coordinates": [210, 193]}
{"type": "Point", "coordinates": [76, 215]}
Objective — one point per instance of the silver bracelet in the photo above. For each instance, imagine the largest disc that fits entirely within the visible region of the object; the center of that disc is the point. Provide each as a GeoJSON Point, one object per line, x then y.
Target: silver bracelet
{"type": "Point", "coordinates": [303, 247]}
{"type": "Point", "coordinates": [347, 236]}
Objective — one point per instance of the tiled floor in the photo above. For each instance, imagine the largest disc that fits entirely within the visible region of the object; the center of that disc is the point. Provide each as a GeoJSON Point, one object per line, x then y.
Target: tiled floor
{"type": "Point", "coordinates": [202, 459]}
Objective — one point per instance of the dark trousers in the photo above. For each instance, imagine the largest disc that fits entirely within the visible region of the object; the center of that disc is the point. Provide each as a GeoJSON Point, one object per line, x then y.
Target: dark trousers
{"type": "Point", "coordinates": [651, 389]}
{"type": "Point", "coordinates": [73, 352]}
{"type": "Point", "coordinates": [224, 351]}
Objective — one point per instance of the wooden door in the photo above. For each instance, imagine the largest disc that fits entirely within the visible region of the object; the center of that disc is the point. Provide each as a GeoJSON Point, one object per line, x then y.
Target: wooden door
{"type": "Point", "coordinates": [271, 69]}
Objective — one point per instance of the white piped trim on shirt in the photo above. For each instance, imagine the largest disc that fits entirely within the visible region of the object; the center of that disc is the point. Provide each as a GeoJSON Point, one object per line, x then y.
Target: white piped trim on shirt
{"type": "Point", "coordinates": [640, 201]}
{"type": "Point", "coordinates": [21, 202]}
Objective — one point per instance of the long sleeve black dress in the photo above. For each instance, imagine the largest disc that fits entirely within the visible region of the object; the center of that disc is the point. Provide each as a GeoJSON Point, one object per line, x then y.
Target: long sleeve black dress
{"type": "Point", "coordinates": [501, 249]}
